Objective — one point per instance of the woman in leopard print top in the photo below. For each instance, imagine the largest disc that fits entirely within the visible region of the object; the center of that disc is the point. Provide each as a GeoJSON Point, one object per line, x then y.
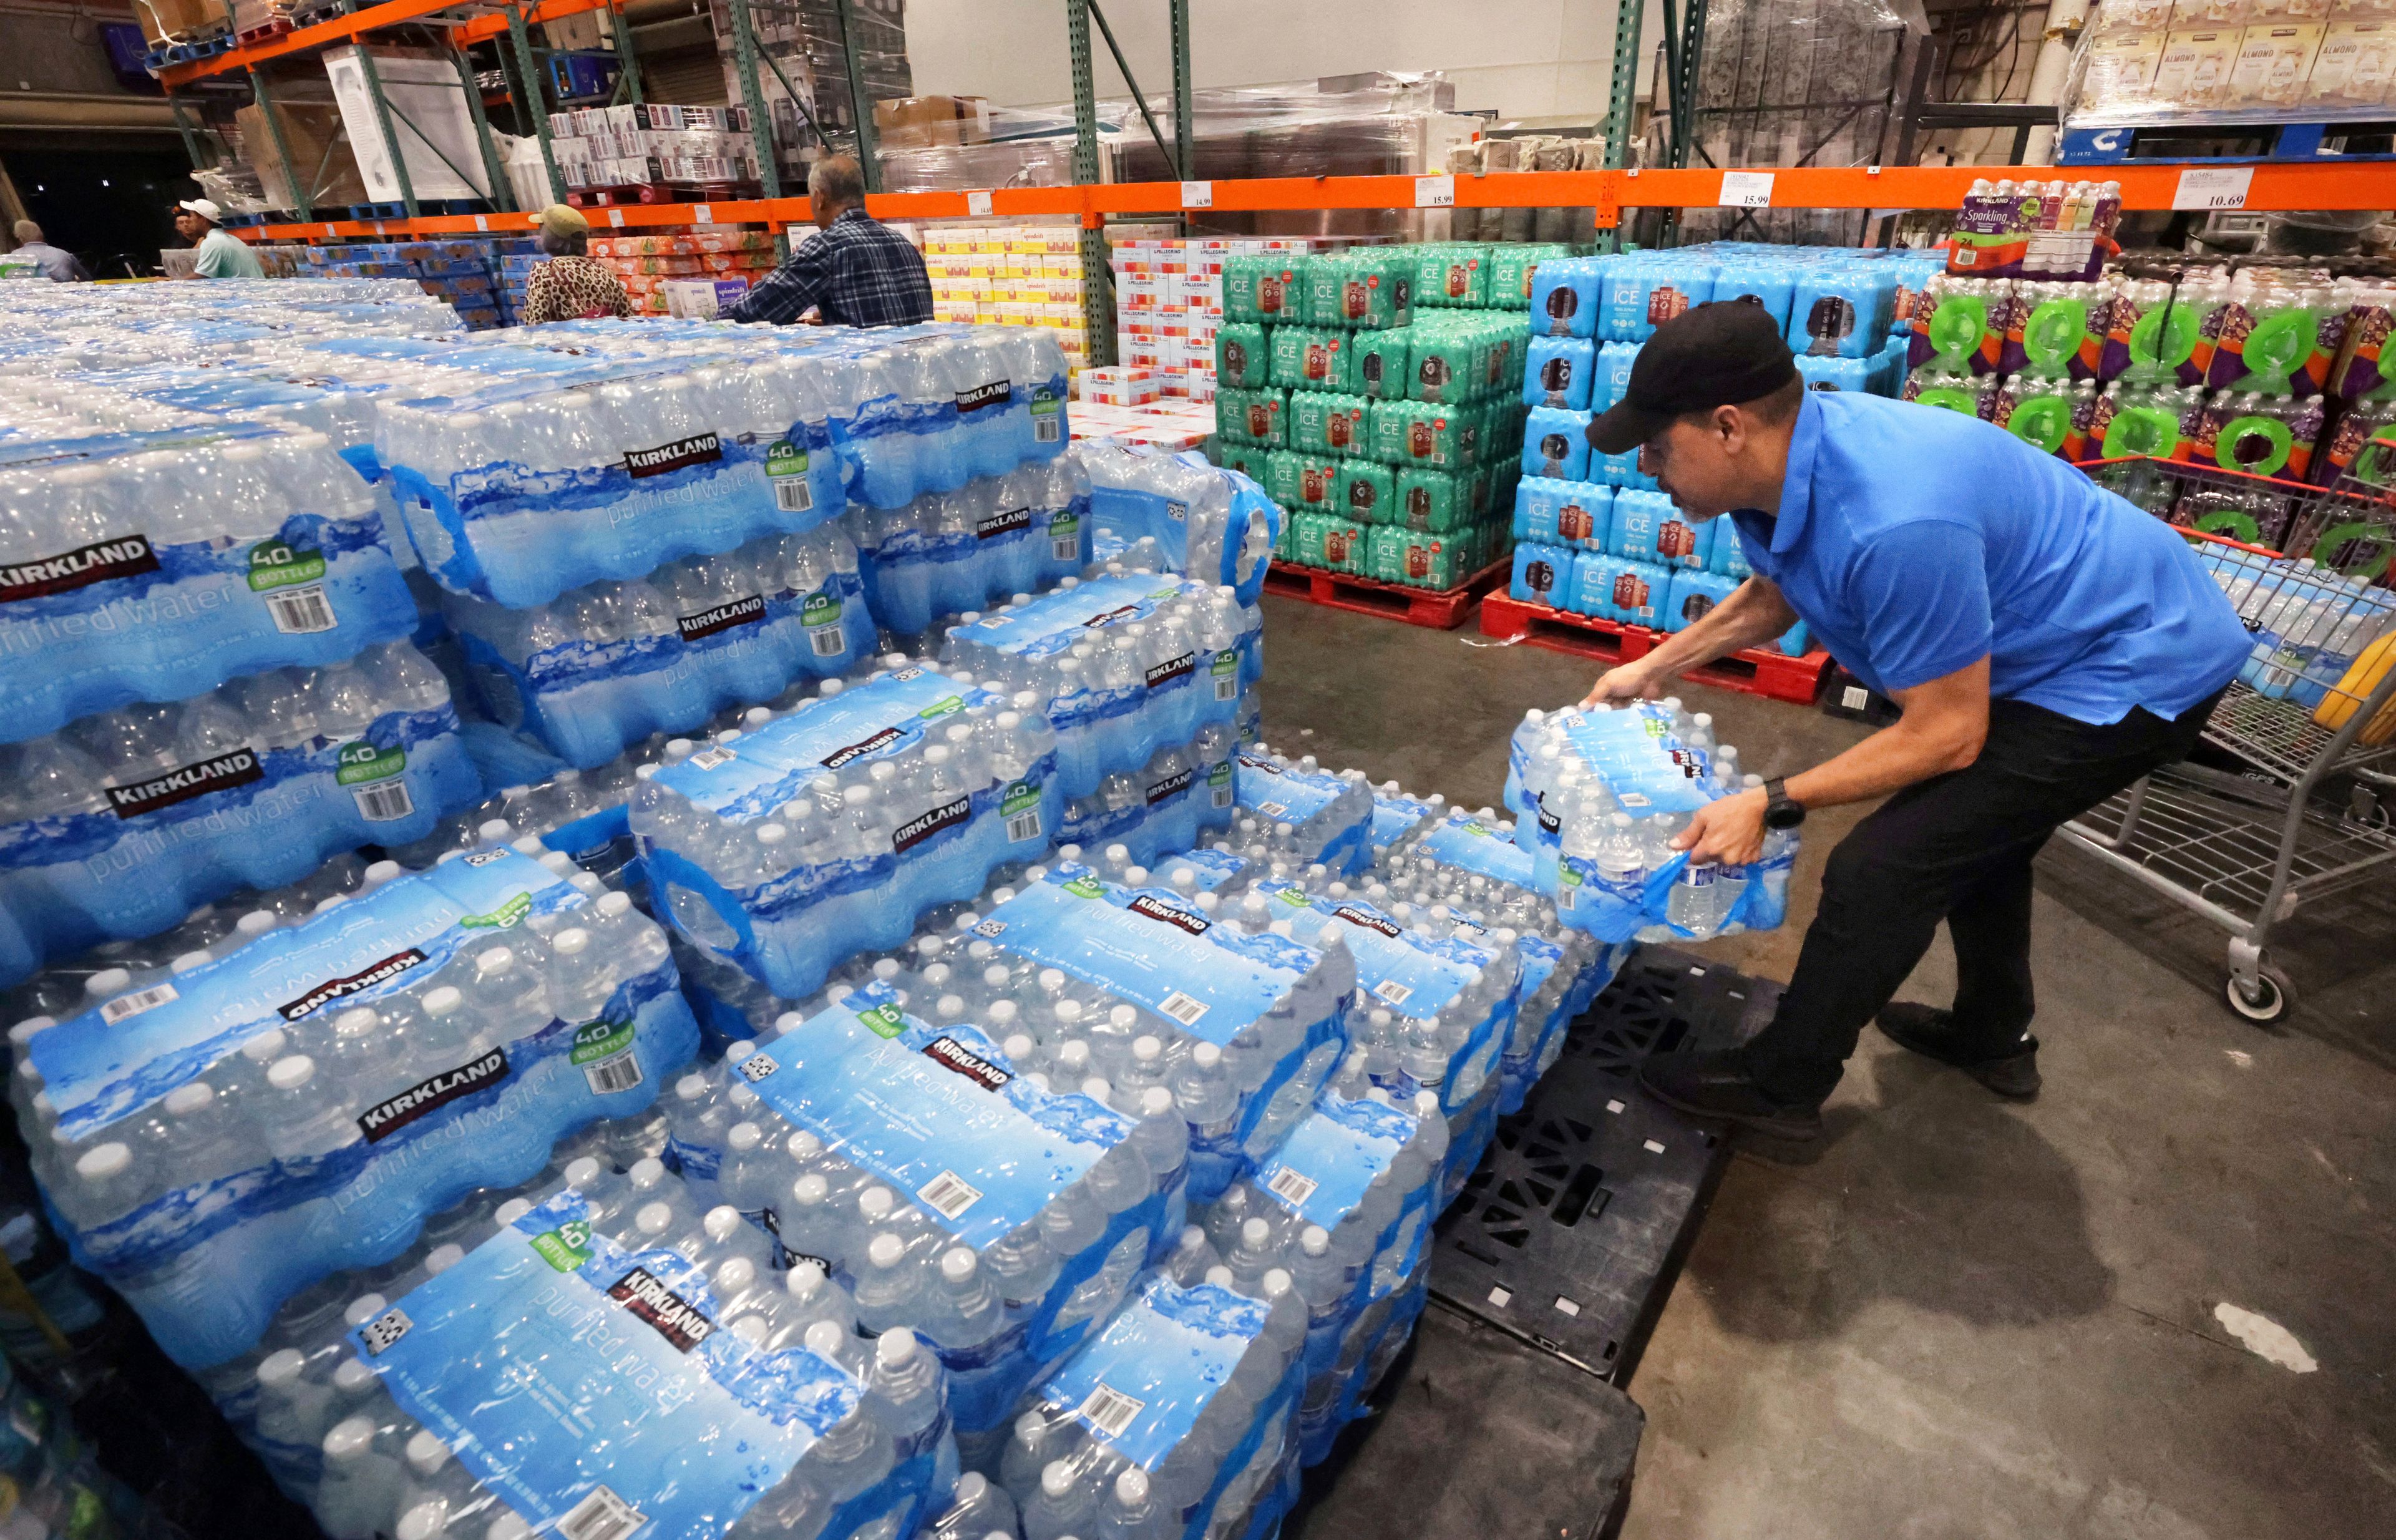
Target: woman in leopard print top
{"type": "Point", "coordinates": [570, 286]}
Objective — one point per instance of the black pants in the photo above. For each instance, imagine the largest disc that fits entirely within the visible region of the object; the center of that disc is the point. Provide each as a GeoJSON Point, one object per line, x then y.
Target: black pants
{"type": "Point", "coordinates": [1956, 847]}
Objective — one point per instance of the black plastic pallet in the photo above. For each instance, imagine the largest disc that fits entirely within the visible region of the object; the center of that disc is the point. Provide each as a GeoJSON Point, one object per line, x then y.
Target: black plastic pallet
{"type": "Point", "coordinates": [1474, 1436]}
{"type": "Point", "coordinates": [1571, 1231]}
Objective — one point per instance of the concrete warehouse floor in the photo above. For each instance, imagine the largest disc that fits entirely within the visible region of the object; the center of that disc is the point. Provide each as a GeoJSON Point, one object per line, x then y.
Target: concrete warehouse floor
{"type": "Point", "coordinates": [1954, 1317]}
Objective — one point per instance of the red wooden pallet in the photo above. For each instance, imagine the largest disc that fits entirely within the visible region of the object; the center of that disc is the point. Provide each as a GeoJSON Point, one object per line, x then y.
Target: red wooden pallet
{"type": "Point", "coordinates": [1771, 675]}
{"type": "Point", "coordinates": [1443, 610]}
{"type": "Point", "coordinates": [264, 30]}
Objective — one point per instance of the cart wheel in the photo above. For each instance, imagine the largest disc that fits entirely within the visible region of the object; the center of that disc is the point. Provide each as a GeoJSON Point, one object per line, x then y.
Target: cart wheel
{"type": "Point", "coordinates": [2273, 998]}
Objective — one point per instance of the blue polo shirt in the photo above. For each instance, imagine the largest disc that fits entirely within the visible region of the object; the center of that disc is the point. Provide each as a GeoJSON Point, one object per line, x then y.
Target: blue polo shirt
{"type": "Point", "coordinates": [1915, 541]}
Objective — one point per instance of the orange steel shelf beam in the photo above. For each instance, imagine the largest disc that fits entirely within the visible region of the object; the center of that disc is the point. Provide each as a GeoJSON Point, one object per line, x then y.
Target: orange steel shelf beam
{"type": "Point", "coordinates": [340, 29]}
{"type": "Point", "coordinates": [2278, 186]}
{"type": "Point", "coordinates": [484, 27]}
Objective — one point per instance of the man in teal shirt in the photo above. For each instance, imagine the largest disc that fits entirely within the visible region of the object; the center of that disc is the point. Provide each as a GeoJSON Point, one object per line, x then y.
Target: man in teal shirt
{"type": "Point", "coordinates": [222, 254]}
{"type": "Point", "coordinates": [2048, 643]}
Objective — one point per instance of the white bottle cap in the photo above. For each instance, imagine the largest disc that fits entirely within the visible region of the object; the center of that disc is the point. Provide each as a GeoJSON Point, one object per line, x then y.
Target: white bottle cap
{"type": "Point", "coordinates": [257, 923]}
{"type": "Point", "coordinates": [494, 960]}
{"type": "Point", "coordinates": [875, 1203]}
{"type": "Point", "coordinates": [1219, 1276]}
{"type": "Point", "coordinates": [1131, 1488]}
{"type": "Point", "coordinates": [1255, 1232]}
{"type": "Point", "coordinates": [426, 1453]}
{"type": "Point", "coordinates": [653, 1218]}
{"type": "Point", "coordinates": [349, 1438]}
{"type": "Point", "coordinates": [383, 872]}
{"type": "Point", "coordinates": [581, 1171]}
{"type": "Point", "coordinates": [805, 1280]}
{"type": "Point", "coordinates": [1206, 1056]}
{"type": "Point", "coordinates": [789, 1021]}
{"type": "Point", "coordinates": [1276, 1282]}
{"type": "Point", "coordinates": [290, 1074]}
{"type": "Point", "coordinates": [496, 831]}
{"type": "Point", "coordinates": [803, 1146]}
{"type": "Point", "coordinates": [513, 1210]}
{"type": "Point", "coordinates": [423, 1521]}
{"type": "Point", "coordinates": [886, 1250]}
{"type": "Point", "coordinates": [364, 1308]}
{"type": "Point", "coordinates": [570, 941]}
{"type": "Point", "coordinates": [184, 1100]}
{"type": "Point", "coordinates": [280, 1368]}
{"type": "Point", "coordinates": [190, 962]}
{"type": "Point", "coordinates": [442, 1257]}
{"type": "Point", "coordinates": [355, 1021]}
{"type": "Point", "coordinates": [810, 1190]}
{"type": "Point", "coordinates": [1315, 1241]}
{"type": "Point", "coordinates": [825, 1339]}
{"type": "Point", "coordinates": [523, 844]}
{"type": "Point", "coordinates": [1426, 1104]}
{"type": "Point", "coordinates": [958, 1264]}
{"type": "Point", "coordinates": [734, 1276]}
{"type": "Point", "coordinates": [352, 1377]}
{"type": "Point", "coordinates": [1056, 1480]}
{"type": "Point", "coordinates": [508, 1526]}
{"type": "Point", "coordinates": [1098, 1090]}
{"type": "Point", "coordinates": [722, 1222]}
{"type": "Point", "coordinates": [108, 981]}
{"type": "Point", "coordinates": [745, 1135]}
{"type": "Point", "coordinates": [441, 1001]}
{"type": "Point", "coordinates": [895, 1348]}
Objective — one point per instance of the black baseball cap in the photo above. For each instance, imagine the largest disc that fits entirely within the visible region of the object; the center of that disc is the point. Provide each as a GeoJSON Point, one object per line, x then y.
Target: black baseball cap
{"type": "Point", "coordinates": [1713, 355]}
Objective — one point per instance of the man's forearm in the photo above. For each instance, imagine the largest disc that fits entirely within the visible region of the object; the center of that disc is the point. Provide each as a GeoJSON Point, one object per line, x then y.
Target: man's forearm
{"type": "Point", "coordinates": [1755, 614]}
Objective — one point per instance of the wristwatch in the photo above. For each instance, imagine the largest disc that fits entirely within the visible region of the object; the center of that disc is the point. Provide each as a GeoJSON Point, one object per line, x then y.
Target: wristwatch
{"type": "Point", "coordinates": [1781, 810]}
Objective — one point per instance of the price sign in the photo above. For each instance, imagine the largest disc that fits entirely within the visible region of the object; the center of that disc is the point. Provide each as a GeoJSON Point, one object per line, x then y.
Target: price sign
{"type": "Point", "coordinates": [1746, 190]}
{"type": "Point", "coordinates": [482, 221]}
{"type": "Point", "coordinates": [615, 217]}
{"type": "Point", "coordinates": [1434, 191]}
{"type": "Point", "coordinates": [1198, 194]}
{"type": "Point", "coordinates": [2213, 187]}
{"type": "Point", "coordinates": [977, 205]}
{"type": "Point", "coordinates": [332, 231]}
{"type": "Point", "coordinates": [702, 214]}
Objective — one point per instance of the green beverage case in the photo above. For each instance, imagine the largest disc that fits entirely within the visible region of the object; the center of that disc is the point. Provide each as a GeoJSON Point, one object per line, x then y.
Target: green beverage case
{"type": "Point", "coordinates": [1343, 545]}
{"type": "Point", "coordinates": [1385, 555]}
{"type": "Point", "coordinates": [1326, 281]}
{"type": "Point", "coordinates": [1306, 545]}
{"type": "Point", "coordinates": [1310, 358]}
{"type": "Point", "coordinates": [1286, 543]}
{"type": "Point", "coordinates": [1379, 368]}
{"type": "Point", "coordinates": [1367, 491]}
{"type": "Point", "coordinates": [1266, 286]}
{"type": "Point", "coordinates": [1281, 477]}
{"type": "Point", "coordinates": [1318, 481]}
{"type": "Point", "coordinates": [1326, 422]}
{"type": "Point", "coordinates": [1359, 290]}
{"type": "Point", "coordinates": [1243, 358]}
{"type": "Point", "coordinates": [1511, 269]}
{"type": "Point", "coordinates": [1453, 276]}
{"type": "Point", "coordinates": [1417, 434]}
{"type": "Point", "coordinates": [1246, 459]}
{"type": "Point", "coordinates": [1442, 363]}
{"type": "Point", "coordinates": [1432, 501]}
{"type": "Point", "coordinates": [1252, 417]}
{"type": "Point", "coordinates": [1436, 562]}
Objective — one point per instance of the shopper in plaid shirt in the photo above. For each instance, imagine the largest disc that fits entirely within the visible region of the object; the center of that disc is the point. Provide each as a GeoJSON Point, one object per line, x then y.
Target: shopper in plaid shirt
{"type": "Point", "coordinates": [858, 272]}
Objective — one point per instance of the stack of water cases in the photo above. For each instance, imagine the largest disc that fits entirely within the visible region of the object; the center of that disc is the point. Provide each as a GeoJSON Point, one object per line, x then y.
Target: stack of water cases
{"type": "Point", "coordinates": [1603, 793]}
{"type": "Point", "coordinates": [211, 686]}
{"type": "Point", "coordinates": [1372, 393]}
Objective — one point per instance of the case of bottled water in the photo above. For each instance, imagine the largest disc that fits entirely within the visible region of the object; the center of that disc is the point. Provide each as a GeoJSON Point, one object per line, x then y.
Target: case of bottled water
{"type": "Point", "coordinates": [121, 823]}
{"type": "Point", "coordinates": [893, 1139]}
{"type": "Point", "coordinates": [612, 1358]}
{"type": "Point", "coordinates": [225, 1137]}
{"type": "Point", "coordinates": [1617, 784]}
{"type": "Point", "coordinates": [1313, 814]}
{"type": "Point", "coordinates": [827, 831]}
{"type": "Point", "coordinates": [1127, 663]}
{"type": "Point", "coordinates": [1217, 526]}
{"type": "Point", "coordinates": [1177, 1419]}
{"type": "Point", "coordinates": [154, 565]}
{"type": "Point", "coordinates": [1343, 1207]}
{"type": "Point", "coordinates": [1247, 1014]}
{"type": "Point", "coordinates": [609, 664]}
{"type": "Point", "coordinates": [949, 553]}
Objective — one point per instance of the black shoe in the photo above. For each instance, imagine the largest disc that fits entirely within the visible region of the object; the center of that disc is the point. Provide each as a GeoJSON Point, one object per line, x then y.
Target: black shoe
{"type": "Point", "coordinates": [1930, 1032]}
{"type": "Point", "coordinates": [1715, 1084]}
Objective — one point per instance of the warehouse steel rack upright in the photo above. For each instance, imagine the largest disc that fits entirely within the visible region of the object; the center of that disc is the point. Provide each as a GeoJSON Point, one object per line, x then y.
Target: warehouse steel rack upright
{"type": "Point", "coordinates": [2309, 717]}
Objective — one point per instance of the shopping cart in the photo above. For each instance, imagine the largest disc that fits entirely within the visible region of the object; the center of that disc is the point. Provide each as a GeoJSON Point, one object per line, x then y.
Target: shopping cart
{"type": "Point", "coordinates": [2310, 808]}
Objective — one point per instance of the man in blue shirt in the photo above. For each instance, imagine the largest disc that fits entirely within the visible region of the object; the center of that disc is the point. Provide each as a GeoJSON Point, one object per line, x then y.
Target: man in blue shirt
{"type": "Point", "coordinates": [854, 271]}
{"type": "Point", "coordinates": [2048, 643]}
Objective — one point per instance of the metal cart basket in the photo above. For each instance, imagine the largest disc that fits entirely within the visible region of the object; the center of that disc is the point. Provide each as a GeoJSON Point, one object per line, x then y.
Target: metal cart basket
{"type": "Point", "coordinates": [2312, 809]}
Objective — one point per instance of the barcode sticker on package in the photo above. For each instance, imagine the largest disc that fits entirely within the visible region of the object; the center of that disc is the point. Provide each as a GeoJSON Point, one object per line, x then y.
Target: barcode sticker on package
{"type": "Point", "coordinates": [1291, 1188]}
{"type": "Point", "coordinates": [384, 801]}
{"type": "Point", "coordinates": [1047, 430]}
{"type": "Point", "coordinates": [1184, 1009]}
{"type": "Point", "coordinates": [826, 641]}
{"type": "Point", "coordinates": [301, 611]}
{"type": "Point", "coordinates": [601, 1515]}
{"type": "Point", "coordinates": [1394, 991]}
{"type": "Point", "coordinates": [1023, 826]}
{"type": "Point", "coordinates": [610, 1075]}
{"type": "Point", "coordinates": [756, 1066]}
{"type": "Point", "coordinates": [135, 1003]}
{"type": "Point", "coordinates": [1110, 1411]}
{"type": "Point", "coordinates": [1066, 548]}
{"type": "Point", "coordinates": [1272, 809]}
{"type": "Point", "coordinates": [386, 1329]}
{"type": "Point", "coordinates": [791, 495]}
{"type": "Point", "coordinates": [949, 1195]}
{"type": "Point", "coordinates": [707, 759]}
{"type": "Point", "coordinates": [1227, 687]}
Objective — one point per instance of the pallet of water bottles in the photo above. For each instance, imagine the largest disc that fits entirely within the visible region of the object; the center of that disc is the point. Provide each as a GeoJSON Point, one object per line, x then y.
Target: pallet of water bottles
{"type": "Point", "coordinates": [1443, 610]}
{"type": "Point", "coordinates": [1753, 671]}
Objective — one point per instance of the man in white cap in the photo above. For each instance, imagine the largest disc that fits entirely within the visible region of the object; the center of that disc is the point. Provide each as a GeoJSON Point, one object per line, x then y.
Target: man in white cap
{"type": "Point", "coordinates": [221, 255]}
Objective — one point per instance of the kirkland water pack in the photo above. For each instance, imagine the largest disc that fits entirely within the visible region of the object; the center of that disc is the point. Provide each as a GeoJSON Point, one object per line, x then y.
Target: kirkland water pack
{"type": "Point", "coordinates": [1442, 996]}
{"type": "Point", "coordinates": [1177, 1419]}
{"type": "Point", "coordinates": [1126, 663]}
{"type": "Point", "coordinates": [228, 1137]}
{"type": "Point", "coordinates": [155, 566]}
{"type": "Point", "coordinates": [1314, 814]}
{"type": "Point", "coordinates": [996, 1209]}
{"type": "Point", "coordinates": [1215, 525]}
{"type": "Point", "coordinates": [1618, 787]}
{"type": "Point", "coordinates": [121, 823]}
{"type": "Point", "coordinates": [829, 830]}
{"type": "Point", "coordinates": [948, 553]}
{"type": "Point", "coordinates": [608, 665]}
{"type": "Point", "coordinates": [597, 1374]}
{"type": "Point", "coordinates": [1259, 1017]}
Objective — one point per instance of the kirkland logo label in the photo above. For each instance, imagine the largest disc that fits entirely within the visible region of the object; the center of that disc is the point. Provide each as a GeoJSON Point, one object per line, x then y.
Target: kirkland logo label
{"type": "Point", "coordinates": [948, 1053]}
{"type": "Point", "coordinates": [1170, 787]}
{"type": "Point", "coordinates": [197, 779]}
{"type": "Point", "coordinates": [341, 988]}
{"type": "Point", "coordinates": [723, 617]}
{"type": "Point", "coordinates": [384, 1119]}
{"type": "Point", "coordinates": [1127, 612]}
{"type": "Point", "coordinates": [996, 393]}
{"type": "Point", "coordinates": [676, 1318]}
{"type": "Point", "coordinates": [1252, 763]}
{"type": "Point", "coordinates": [697, 449]}
{"type": "Point", "coordinates": [921, 827]}
{"type": "Point", "coordinates": [839, 757]}
{"type": "Point", "coordinates": [1156, 908]}
{"type": "Point", "coordinates": [1179, 668]}
{"type": "Point", "coordinates": [1369, 922]}
{"type": "Point", "coordinates": [81, 567]}
{"type": "Point", "coordinates": [1003, 523]}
